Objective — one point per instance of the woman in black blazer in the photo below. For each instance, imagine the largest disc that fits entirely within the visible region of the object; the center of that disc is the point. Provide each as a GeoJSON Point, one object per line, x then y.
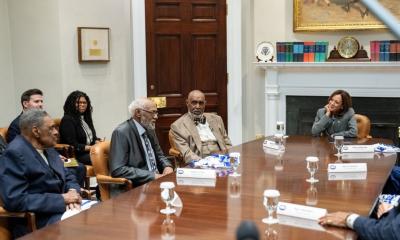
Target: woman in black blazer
{"type": "Point", "coordinates": [76, 127]}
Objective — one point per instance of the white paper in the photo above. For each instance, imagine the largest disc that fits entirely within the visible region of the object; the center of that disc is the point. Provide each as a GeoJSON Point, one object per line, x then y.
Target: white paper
{"type": "Point", "coordinates": [335, 176]}
{"type": "Point", "coordinates": [300, 211]}
{"type": "Point", "coordinates": [195, 173]}
{"type": "Point", "coordinates": [300, 222]}
{"type": "Point", "coordinates": [347, 167]}
{"type": "Point", "coordinates": [86, 204]}
{"type": "Point", "coordinates": [204, 182]}
{"type": "Point", "coordinates": [358, 148]}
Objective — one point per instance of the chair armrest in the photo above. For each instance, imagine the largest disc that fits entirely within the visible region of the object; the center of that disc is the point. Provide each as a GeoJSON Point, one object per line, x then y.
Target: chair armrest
{"type": "Point", "coordinates": [108, 180]}
{"type": "Point", "coordinates": [30, 217]}
{"type": "Point", "coordinates": [174, 152]}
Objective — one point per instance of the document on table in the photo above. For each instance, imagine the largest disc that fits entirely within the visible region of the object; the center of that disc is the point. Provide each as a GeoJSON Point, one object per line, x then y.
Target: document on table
{"type": "Point", "coordinates": [86, 204]}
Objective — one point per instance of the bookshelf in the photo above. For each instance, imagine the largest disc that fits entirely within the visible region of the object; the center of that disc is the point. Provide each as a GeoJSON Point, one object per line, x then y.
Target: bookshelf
{"type": "Point", "coordinates": [324, 65]}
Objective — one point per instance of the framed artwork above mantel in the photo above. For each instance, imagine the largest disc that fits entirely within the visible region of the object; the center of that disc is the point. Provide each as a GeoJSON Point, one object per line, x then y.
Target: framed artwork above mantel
{"type": "Point", "coordinates": [334, 15]}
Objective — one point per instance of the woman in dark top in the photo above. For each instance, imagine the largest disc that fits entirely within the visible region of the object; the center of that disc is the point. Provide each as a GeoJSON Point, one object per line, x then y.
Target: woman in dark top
{"type": "Point", "coordinates": [76, 127]}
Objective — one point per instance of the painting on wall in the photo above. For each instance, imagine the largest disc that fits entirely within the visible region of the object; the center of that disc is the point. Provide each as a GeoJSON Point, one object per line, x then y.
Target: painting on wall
{"type": "Point", "coordinates": [331, 15]}
{"type": "Point", "coordinates": [93, 44]}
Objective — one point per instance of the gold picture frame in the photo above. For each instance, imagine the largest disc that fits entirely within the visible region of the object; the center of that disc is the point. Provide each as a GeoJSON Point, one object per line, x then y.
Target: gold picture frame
{"type": "Point", "coordinates": [334, 15]}
{"type": "Point", "coordinates": [93, 44]}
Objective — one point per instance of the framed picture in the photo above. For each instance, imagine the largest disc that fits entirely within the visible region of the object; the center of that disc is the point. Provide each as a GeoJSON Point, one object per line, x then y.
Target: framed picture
{"type": "Point", "coordinates": [93, 44]}
{"type": "Point", "coordinates": [331, 15]}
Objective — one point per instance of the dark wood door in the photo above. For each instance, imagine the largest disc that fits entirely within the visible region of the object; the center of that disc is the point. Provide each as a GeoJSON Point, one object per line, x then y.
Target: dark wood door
{"type": "Point", "coordinates": [186, 50]}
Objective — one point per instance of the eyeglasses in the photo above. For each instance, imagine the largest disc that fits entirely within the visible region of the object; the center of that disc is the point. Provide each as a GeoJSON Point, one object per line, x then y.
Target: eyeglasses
{"type": "Point", "coordinates": [194, 103]}
{"type": "Point", "coordinates": [155, 112]}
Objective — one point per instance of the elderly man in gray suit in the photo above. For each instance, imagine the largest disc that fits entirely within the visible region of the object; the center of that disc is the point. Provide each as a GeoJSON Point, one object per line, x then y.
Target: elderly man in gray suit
{"type": "Point", "coordinates": [135, 153]}
{"type": "Point", "coordinates": [197, 134]}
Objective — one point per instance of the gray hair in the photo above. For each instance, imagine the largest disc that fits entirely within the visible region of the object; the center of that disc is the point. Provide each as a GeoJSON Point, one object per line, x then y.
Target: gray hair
{"type": "Point", "coordinates": [31, 118]}
{"type": "Point", "coordinates": [139, 103]}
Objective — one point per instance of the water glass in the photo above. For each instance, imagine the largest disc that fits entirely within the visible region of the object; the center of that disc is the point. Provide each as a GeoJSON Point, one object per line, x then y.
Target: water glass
{"type": "Point", "coordinates": [312, 167]}
{"type": "Point", "coordinates": [280, 127]}
{"type": "Point", "coordinates": [167, 195]}
{"type": "Point", "coordinates": [234, 158]}
{"type": "Point", "coordinates": [339, 141]}
{"type": "Point", "coordinates": [270, 201]}
{"type": "Point", "coordinates": [278, 138]}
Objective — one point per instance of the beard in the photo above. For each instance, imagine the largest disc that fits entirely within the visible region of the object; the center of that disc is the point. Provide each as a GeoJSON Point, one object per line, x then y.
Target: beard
{"type": "Point", "coordinates": [147, 123]}
{"type": "Point", "coordinates": [196, 115]}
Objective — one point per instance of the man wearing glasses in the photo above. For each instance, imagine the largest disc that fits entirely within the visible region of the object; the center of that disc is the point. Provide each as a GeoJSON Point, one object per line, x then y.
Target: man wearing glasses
{"type": "Point", "coordinates": [135, 152]}
{"type": "Point", "coordinates": [197, 134]}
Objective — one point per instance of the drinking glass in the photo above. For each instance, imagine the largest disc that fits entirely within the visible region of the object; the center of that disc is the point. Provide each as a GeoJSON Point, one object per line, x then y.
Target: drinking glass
{"type": "Point", "coordinates": [280, 127]}
{"type": "Point", "coordinates": [339, 141]}
{"type": "Point", "coordinates": [271, 200]}
{"type": "Point", "coordinates": [278, 138]}
{"type": "Point", "coordinates": [168, 228]}
{"type": "Point", "coordinates": [312, 195]}
{"type": "Point", "coordinates": [234, 158]}
{"type": "Point", "coordinates": [312, 167]}
{"type": "Point", "coordinates": [167, 195]}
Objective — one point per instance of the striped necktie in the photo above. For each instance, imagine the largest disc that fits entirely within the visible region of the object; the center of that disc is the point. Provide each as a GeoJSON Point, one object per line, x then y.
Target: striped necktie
{"type": "Point", "coordinates": [150, 153]}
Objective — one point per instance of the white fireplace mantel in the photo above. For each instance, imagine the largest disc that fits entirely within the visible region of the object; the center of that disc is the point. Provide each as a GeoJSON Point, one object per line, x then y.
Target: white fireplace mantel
{"type": "Point", "coordinates": [360, 79]}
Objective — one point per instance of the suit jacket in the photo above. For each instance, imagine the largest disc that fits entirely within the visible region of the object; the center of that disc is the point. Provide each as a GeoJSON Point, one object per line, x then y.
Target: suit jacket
{"type": "Point", "coordinates": [127, 156]}
{"type": "Point", "coordinates": [29, 184]}
{"type": "Point", "coordinates": [345, 125]}
{"type": "Point", "coordinates": [13, 129]}
{"type": "Point", "coordinates": [385, 228]}
{"type": "Point", "coordinates": [187, 138]}
{"type": "Point", "coordinates": [72, 133]}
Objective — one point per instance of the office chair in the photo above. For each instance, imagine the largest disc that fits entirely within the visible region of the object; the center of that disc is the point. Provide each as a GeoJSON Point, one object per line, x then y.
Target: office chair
{"type": "Point", "coordinates": [99, 155]}
{"type": "Point", "coordinates": [173, 151]}
{"type": "Point", "coordinates": [363, 126]}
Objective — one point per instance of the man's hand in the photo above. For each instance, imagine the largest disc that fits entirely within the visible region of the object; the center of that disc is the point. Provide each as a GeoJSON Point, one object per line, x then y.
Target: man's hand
{"type": "Point", "coordinates": [158, 175]}
{"type": "Point", "coordinates": [383, 208]}
{"type": "Point", "coordinates": [337, 219]}
{"type": "Point", "coordinates": [74, 206]}
{"type": "Point", "coordinates": [72, 196]}
{"type": "Point", "coordinates": [168, 170]}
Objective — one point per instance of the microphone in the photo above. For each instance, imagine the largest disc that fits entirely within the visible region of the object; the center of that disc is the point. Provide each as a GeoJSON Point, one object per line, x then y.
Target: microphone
{"type": "Point", "coordinates": [247, 230]}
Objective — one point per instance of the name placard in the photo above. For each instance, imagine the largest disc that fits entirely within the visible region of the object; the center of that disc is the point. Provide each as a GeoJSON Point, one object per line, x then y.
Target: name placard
{"type": "Point", "coordinates": [271, 144]}
{"type": "Point", "coordinates": [347, 167]}
{"type": "Point", "coordinates": [300, 222]}
{"type": "Point", "coordinates": [365, 156]}
{"type": "Point", "coordinates": [335, 176]}
{"type": "Point", "coordinates": [204, 182]}
{"type": "Point", "coordinates": [195, 173]}
{"type": "Point", "coordinates": [358, 148]}
{"type": "Point", "coordinates": [300, 211]}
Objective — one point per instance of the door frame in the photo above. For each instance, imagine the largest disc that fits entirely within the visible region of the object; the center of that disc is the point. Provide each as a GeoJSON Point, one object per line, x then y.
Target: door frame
{"type": "Point", "coordinates": [234, 59]}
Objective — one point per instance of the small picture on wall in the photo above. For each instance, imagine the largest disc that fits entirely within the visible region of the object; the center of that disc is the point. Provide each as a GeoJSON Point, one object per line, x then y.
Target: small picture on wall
{"type": "Point", "coordinates": [93, 44]}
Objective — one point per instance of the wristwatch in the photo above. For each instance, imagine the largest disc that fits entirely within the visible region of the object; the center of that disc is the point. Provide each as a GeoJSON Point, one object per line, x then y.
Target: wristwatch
{"type": "Point", "coordinates": [348, 47]}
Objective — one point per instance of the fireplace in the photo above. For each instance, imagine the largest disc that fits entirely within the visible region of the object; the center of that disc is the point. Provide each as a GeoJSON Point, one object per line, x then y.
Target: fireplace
{"type": "Point", "coordinates": [384, 114]}
{"type": "Point", "coordinates": [374, 86]}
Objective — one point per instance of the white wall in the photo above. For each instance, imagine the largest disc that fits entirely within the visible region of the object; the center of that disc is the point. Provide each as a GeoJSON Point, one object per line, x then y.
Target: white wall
{"type": "Point", "coordinates": [7, 97]}
{"type": "Point", "coordinates": [43, 40]}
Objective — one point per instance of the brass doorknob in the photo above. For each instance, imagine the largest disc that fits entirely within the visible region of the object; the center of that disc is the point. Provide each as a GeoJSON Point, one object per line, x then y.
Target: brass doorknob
{"type": "Point", "coordinates": [151, 87]}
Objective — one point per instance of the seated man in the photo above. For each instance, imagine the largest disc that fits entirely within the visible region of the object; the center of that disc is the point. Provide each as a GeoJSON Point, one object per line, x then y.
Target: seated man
{"type": "Point", "coordinates": [197, 134]}
{"type": "Point", "coordinates": [135, 153]}
{"type": "Point", "coordinates": [386, 227]}
{"type": "Point", "coordinates": [3, 145]}
{"type": "Point", "coordinates": [32, 175]}
{"type": "Point", "coordinates": [32, 98]}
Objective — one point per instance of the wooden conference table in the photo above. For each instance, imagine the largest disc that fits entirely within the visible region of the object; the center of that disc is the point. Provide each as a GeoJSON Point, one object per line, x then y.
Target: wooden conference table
{"type": "Point", "coordinates": [215, 212]}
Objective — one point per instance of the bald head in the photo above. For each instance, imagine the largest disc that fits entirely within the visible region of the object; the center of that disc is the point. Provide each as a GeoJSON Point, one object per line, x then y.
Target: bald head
{"type": "Point", "coordinates": [196, 103]}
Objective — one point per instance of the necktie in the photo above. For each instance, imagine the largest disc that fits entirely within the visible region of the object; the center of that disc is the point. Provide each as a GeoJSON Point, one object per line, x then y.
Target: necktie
{"type": "Point", "coordinates": [150, 154]}
{"type": "Point", "coordinates": [201, 120]}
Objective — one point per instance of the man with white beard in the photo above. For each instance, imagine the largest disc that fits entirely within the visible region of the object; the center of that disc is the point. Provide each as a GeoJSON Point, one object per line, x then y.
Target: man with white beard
{"type": "Point", "coordinates": [198, 134]}
{"type": "Point", "coordinates": [135, 153]}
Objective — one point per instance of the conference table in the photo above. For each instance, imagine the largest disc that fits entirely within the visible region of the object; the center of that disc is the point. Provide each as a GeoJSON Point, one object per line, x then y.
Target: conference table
{"type": "Point", "coordinates": [214, 210]}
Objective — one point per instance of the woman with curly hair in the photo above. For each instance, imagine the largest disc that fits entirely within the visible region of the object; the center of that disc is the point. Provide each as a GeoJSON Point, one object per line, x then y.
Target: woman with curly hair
{"type": "Point", "coordinates": [76, 127]}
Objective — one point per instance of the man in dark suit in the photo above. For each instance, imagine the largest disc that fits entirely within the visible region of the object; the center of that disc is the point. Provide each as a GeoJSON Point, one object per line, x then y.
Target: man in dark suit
{"type": "Point", "coordinates": [386, 227]}
{"type": "Point", "coordinates": [135, 153]}
{"type": "Point", "coordinates": [32, 175]}
{"type": "Point", "coordinates": [32, 98]}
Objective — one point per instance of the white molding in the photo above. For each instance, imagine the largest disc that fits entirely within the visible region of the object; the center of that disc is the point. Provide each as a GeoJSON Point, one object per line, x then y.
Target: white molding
{"type": "Point", "coordinates": [139, 48]}
{"type": "Point", "coordinates": [234, 61]}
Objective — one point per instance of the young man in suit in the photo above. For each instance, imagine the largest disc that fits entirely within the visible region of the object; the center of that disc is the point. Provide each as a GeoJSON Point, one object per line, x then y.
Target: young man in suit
{"type": "Point", "coordinates": [32, 175]}
{"type": "Point", "coordinates": [135, 153]}
{"type": "Point", "coordinates": [197, 134]}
